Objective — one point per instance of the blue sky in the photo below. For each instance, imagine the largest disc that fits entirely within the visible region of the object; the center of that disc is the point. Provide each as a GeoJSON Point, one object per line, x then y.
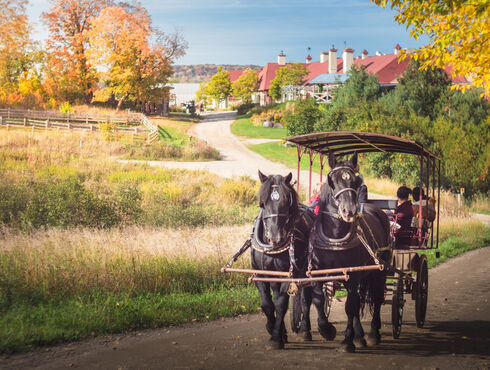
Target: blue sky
{"type": "Point", "coordinates": [254, 32]}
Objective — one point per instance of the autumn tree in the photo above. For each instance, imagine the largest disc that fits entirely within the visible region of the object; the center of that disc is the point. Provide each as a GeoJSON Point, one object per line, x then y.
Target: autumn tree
{"type": "Point", "coordinates": [458, 31]}
{"type": "Point", "coordinates": [245, 86]}
{"type": "Point", "coordinates": [202, 93]}
{"type": "Point", "coordinates": [290, 74]}
{"type": "Point", "coordinates": [219, 85]}
{"type": "Point", "coordinates": [69, 75]}
{"type": "Point", "coordinates": [133, 58]}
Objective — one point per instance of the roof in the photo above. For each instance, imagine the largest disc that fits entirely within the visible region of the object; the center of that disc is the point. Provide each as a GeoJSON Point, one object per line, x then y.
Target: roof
{"type": "Point", "coordinates": [235, 75]}
{"type": "Point", "coordinates": [348, 142]}
{"type": "Point", "coordinates": [330, 78]}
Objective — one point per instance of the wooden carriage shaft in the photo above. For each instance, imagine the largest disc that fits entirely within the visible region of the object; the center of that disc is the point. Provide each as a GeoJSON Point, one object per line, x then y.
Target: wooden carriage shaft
{"type": "Point", "coordinates": [298, 280]}
{"type": "Point", "coordinates": [251, 271]}
{"type": "Point", "coordinates": [345, 270]}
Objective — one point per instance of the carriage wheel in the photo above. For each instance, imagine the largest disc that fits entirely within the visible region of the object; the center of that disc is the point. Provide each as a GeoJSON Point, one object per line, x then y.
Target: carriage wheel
{"type": "Point", "coordinates": [422, 292]}
{"type": "Point", "coordinates": [328, 292]}
{"type": "Point", "coordinates": [295, 311]}
{"type": "Point", "coordinates": [397, 308]}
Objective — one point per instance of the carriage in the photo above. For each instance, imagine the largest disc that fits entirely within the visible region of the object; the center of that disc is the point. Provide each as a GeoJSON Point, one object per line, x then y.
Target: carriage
{"type": "Point", "coordinates": [406, 269]}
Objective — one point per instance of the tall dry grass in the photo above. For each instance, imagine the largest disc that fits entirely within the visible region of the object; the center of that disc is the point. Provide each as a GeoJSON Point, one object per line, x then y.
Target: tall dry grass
{"type": "Point", "coordinates": [46, 264]}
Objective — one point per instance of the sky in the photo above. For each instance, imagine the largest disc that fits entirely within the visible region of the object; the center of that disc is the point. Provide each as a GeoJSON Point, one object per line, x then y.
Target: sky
{"type": "Point", "coordinates": [254, 31]}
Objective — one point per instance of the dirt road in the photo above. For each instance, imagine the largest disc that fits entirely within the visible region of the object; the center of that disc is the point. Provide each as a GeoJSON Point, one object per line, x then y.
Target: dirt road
{"type": "Point", "coordinates": [456, 336]}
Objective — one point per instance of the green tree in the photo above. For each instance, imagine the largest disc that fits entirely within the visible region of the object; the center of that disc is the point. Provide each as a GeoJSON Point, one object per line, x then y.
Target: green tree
{"type": "Point", "coordinates": [290, 74]}
{"type": "Point", "coordinates": [302, 119]}
{"type": "Point", "coordinates": [423, 91]}
{"type": "Point", "coordinates": [245, 86]}
{"type": "Point", "coordinates": [458, 31]}
{"type": "Point", "coordinates": [219, 86]}
{"type": "Point", "coordinates": [202, 92]}
{"type": "Point", "coordinates": [360, 88]}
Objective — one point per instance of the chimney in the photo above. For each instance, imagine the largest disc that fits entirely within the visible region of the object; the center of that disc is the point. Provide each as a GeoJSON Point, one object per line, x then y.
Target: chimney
{"type": "Point", "coordinates": [281, 59]}
{"type": "Point", "coordinates": [308, 59]}
{"type": "Point", "coordinates": [397, 49]}
{"type": "Point", "coordinates": [348, 59]}
{"type": "Point", "coordinates": [323, 57]}
{"type": "Point", "coordinates": [364, 54]}
{"type": "Point", "coordinates": [332, 61]}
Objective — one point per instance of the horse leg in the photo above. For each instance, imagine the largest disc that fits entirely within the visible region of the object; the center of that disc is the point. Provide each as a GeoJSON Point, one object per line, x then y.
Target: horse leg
{"type": "Point", "coordinates": [377, 293]}
{"type": "Point", "coordinates": [305, 325]}
{"type": "Point", "coordinates": [354, 331]}
{"type": "Point", "coordinates": [266, 304]}
{"type": "Point", "coordinates": [281, 301]}
{"type": "Point", "coordinates": [326, 329]}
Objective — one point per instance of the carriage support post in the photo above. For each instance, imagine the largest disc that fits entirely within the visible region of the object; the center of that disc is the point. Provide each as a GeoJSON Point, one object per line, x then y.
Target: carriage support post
{"type": "Point", "coordinates": [421, 186]}
{"type": "Point", "coordinates": [298, 148]}
{"type": "Point", "coordinates": [438, 198]}
{"type": "Point", "coordinates": [309, 185]}
{"type": "Point", "coordinates": [321, 166]}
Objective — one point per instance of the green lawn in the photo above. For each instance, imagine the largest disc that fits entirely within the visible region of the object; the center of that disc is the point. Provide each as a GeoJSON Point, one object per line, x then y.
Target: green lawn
{"type": "Point", "coordinates": [278, 152]}
{"type": "Point", "coordinates": [243, 127]}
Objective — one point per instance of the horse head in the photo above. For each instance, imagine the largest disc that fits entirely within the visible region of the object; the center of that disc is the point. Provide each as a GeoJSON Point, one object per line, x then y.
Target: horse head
{"type": "Point", "coordinates": [279, 203]}
{"type": "Point", "coordinates": [343, 184]}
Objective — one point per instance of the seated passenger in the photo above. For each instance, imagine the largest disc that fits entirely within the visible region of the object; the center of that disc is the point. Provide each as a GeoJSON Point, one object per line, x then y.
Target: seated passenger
{"type": "Point", "coordinates": [403, 217]}
{"type": "Point", "coordinates": [315, 199]}
{"type": "Point", "coordinates": [428, 206]}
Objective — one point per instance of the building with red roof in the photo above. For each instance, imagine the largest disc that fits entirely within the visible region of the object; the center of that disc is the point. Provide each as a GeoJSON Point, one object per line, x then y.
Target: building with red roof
{"type": "Point", "coordinates": [386, 67]}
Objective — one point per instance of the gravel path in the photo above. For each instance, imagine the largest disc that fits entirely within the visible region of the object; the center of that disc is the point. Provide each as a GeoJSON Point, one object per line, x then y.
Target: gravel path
{"type": "Point", "coordinates": [455, 336]}
{"type": "Point", "coordinates": [237, 159]}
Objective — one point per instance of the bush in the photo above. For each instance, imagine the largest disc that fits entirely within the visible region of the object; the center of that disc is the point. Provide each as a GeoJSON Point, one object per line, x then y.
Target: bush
{"type": "Point", "coordinates": [304, 117]}
{"type": "Point", "coordinates": [245, 108]}
{"type": "Point", "coordinates": [66, 107]}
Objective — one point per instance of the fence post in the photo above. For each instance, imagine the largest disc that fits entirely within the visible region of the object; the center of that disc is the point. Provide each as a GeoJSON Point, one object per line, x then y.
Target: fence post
{"type": "Point", "coordinates": [1, 120]}
{"type": "Point", "coordinates": [25, 121]}
{"type": "Point", "coordinates": [91, 127]}
{"type": "Point", "coordinates": [47, 123]}
{"type": "Point", "coordinates": [69, 125]}
{"type": "Point", "coordinates": [86, 119]}
{"type": "Point", "coordinates": [8, 113]}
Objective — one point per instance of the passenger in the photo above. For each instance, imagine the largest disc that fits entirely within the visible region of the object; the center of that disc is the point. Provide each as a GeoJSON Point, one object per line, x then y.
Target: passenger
{"type": "Point", "coordinates": [315, 199]}
{"type": "Point", "coordinates": [428, 206]}
{"type": "Point", "coordinates": [403, 217]}
{"type": "Point", "coordinates": [362, 192]}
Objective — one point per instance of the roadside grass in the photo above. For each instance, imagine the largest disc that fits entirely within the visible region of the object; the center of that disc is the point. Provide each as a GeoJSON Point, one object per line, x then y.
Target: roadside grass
{"type": "Point", "coordinates": [25, 326]}
{"type": "Point", "coordinates": [243, 127]}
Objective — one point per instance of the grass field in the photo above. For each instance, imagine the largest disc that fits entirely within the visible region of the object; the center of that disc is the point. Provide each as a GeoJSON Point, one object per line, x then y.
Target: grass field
{"type": "Point", "coordinates": [243, 127]}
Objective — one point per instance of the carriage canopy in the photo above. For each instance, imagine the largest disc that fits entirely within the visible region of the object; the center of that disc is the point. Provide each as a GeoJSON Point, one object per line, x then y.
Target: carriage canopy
{"type": "Point", "coordinates": [348, 142]}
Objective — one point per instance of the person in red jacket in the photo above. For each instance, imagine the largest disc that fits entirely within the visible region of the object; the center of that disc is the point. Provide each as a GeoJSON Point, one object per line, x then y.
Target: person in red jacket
{"type": "Point", "coordinates": [403, 217]}
{"type": "Point", "coordinates": [315, 199]}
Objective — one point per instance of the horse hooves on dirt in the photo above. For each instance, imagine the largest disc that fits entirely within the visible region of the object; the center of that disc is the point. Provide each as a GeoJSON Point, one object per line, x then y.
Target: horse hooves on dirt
{"type": "Point", "coordinates": [347, 347]}
{"type": "Point", "coordinates": [274, 344]}
{"type": "Point", "coordinates": [373, 339]}
{"type": "Point", "coordinates": [360, 343]}
{"type": "Point", "coordinates": [305, 336]}
{"type": "Point", "coordinates": [329, 333]}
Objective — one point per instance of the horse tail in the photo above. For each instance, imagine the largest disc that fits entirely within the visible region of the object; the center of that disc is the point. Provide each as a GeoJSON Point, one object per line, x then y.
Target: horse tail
{"type": "Point", "coordinates": [366, 292]}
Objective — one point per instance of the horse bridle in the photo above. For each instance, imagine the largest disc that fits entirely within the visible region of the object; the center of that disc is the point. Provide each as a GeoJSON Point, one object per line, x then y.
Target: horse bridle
{"type": "Point", "coordinates": [271, 215]}
{"type": "Point", "coordinates": [341, 191]}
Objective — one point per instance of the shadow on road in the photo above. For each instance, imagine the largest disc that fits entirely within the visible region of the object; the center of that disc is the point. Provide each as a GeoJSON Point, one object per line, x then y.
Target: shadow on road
{"type": "Point", "coordinates": [219, 116]}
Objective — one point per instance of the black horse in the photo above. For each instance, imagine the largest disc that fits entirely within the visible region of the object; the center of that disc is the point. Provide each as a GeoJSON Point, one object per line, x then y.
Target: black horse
{"type": "Point", "coordinates": [280, 243]}
{"type": "Point", "coordinates": [342, 236]}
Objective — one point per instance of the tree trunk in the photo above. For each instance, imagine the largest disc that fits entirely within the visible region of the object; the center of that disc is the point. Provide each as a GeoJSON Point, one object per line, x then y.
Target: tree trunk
{"type": "Point", "coordinates": [120, 102]}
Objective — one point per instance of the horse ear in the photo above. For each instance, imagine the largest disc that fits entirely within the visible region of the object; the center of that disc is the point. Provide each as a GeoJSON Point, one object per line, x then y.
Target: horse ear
{"type": "Point", "coordinates": [353, 160]}
{"type": "Point", "coordinates": [288, 178]}
{"type": "Point", "coordinates": [263, 178]}
{"type": "Point", "coordinates": [332, 161]}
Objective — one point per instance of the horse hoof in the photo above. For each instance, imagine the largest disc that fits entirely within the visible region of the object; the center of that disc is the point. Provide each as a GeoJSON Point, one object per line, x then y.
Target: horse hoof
{"type": "Point", "coordinates": [274, 344]}
{"type": "Point", "coordinates": [360, 343]}
{"type": "Point", "coordinates": [347, 347]}
{"type": "Point", "coordinates": [373, 339]}
{"type": "Point", "coordinates": [329, 333]}
{"type": "Point", "coordinates": [305, 336]}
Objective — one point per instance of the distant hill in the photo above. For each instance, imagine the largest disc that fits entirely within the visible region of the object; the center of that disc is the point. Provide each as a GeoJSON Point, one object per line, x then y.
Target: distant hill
{"type": "Point", "coordinates": [203, 72]}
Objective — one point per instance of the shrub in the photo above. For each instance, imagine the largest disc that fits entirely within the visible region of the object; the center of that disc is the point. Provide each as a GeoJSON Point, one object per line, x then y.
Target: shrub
{"type": "Point", "coordinates": [245, 108]}
{"type": "Point", "coordinates": [302, 121]}
{"type": "Point", "coordinates": [66, 107]}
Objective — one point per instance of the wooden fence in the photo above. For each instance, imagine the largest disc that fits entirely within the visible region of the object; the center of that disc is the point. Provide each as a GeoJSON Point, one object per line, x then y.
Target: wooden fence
{"type": "Point", "coordinates": [52, 120]}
